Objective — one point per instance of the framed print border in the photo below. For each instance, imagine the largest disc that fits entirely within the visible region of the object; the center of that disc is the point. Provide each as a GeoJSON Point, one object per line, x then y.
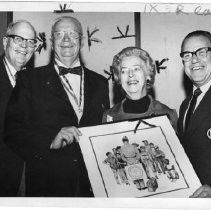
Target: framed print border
{"type": "Point", "coordinates": [169, 173]}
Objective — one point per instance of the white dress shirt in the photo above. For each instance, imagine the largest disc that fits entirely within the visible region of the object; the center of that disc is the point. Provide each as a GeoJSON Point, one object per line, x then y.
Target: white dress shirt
{"type": "Point", "coordinates": [204, 89]}
{"type": "Point", "coordinates": [75, 83]}
{"type": "Point", "coordinates": [11, 72]}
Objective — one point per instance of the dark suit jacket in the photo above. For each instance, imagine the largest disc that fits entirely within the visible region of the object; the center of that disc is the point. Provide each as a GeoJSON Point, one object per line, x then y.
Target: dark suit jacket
{"type": "Point", "coordinates": [196, 142]}
{"type": "Point", "coordinates": [38, 109]}
{"type": "Point", "coordinates": [11, 165]}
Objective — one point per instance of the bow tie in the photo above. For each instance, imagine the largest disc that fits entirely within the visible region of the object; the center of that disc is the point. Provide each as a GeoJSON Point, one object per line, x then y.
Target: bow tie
{"type": "Point", "coordinates": [76, 70]}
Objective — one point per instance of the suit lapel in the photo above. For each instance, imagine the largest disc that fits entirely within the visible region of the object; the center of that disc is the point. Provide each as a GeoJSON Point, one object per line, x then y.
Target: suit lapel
{"type": "Point", "coordinates": [5, 84]}
{"type": "Point", "coordinates": [201, 112]}
{"type": "Point", "coordinates": [89, 89]}
{"type": "Point", "coordinates": [53, 84]}
{"type": "Point", "coordinates": [183, 109]}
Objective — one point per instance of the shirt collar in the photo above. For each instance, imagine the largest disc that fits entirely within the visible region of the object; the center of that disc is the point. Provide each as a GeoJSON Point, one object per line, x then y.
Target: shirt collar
{"type": "Point", "coordinates": [204, 88]}
{"type": "Point", "coordinates": [61, 64]}
{"type": "Point", "coordinates": [11, 68]}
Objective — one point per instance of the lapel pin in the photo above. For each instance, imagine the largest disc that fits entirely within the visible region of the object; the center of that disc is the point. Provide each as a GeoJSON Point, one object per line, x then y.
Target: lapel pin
{"type": "Point", "coordinates": [209, 133]}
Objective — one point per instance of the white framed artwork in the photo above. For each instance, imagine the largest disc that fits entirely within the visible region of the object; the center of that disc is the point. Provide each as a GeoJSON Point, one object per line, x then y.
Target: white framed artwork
{"type": "Point", "coordinates": [139, 158]}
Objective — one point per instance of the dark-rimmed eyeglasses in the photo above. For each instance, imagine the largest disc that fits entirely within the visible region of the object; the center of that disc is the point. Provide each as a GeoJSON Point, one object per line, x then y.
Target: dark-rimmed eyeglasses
{"type": "Point", "coordinates": [19, 40]}
{"type": "Point", "coordinates": [58, 35]}
{"type": "Point", "coordinates": [200, 53]}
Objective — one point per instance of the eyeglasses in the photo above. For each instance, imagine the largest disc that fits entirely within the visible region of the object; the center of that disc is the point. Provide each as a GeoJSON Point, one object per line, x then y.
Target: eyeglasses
{"type": "Point", "coordinates": [19, 40]}
{"type": "Point", "coordinates": [200, 53]}
{"type": "Point", "coordinates": [133, 70]}
{"type": "Point", "coordinates": [58, 35]}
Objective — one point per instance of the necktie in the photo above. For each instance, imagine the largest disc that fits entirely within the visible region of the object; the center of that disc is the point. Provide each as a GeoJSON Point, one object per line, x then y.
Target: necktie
{"type": "Point", "coordinates": [76, 70]}
{"type": "Point", "coordinates": [192, 105]}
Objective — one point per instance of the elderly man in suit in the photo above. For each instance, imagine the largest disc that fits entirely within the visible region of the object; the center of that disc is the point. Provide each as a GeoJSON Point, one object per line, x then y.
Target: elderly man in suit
{"type": "Point", "coordinates": [46, 108]}
{"type": "Point", "coordinates": [19, 44]}
{"type": "Point", "coordinates": [194, 124]}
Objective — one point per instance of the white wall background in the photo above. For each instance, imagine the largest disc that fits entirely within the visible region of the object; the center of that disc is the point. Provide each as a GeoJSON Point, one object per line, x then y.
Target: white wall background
{"type": "Point", "coordinates": [161, 36]}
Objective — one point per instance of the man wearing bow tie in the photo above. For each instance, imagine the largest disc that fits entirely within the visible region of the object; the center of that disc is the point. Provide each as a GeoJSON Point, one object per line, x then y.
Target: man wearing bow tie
{"type": "Point", "coordinates": [47, 106]}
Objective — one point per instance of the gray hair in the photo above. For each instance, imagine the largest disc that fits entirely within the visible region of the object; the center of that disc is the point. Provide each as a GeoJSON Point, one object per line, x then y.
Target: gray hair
{"type": "Point", "coordinates": [72, 19]}
{"type": "Point", "coordinates": [14, 23]}
{"type": "Point", "coordinates": [143, 55]}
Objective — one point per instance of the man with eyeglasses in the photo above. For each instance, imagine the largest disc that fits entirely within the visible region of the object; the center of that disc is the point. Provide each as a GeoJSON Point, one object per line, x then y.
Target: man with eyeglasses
{"type": "Point", "coordinates": [19, 44]}
{"type": "Point", "coordinates": [47, 106]}
{"type": "Point", "coordinates": [194, 123]}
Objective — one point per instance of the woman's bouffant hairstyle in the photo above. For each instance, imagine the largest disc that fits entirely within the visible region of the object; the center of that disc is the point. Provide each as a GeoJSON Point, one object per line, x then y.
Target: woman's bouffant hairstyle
{"type": "Point", "coordinates": [143, 55]}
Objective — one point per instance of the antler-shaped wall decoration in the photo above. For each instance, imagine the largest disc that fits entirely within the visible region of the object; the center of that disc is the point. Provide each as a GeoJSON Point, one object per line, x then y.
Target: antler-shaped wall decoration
{"type": "Point", "coordinates": [111, 73]}
{"type": "Point", "coordinates": [64, 9]}
{"type": "Point", "coordinates": [158, 65]}
{"type": "Point", "coordinates": [43, 45]}
{"type": "Point", "coordinates": [91, 38]}
{"type": "Point", "coordinates": [123, 35]}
